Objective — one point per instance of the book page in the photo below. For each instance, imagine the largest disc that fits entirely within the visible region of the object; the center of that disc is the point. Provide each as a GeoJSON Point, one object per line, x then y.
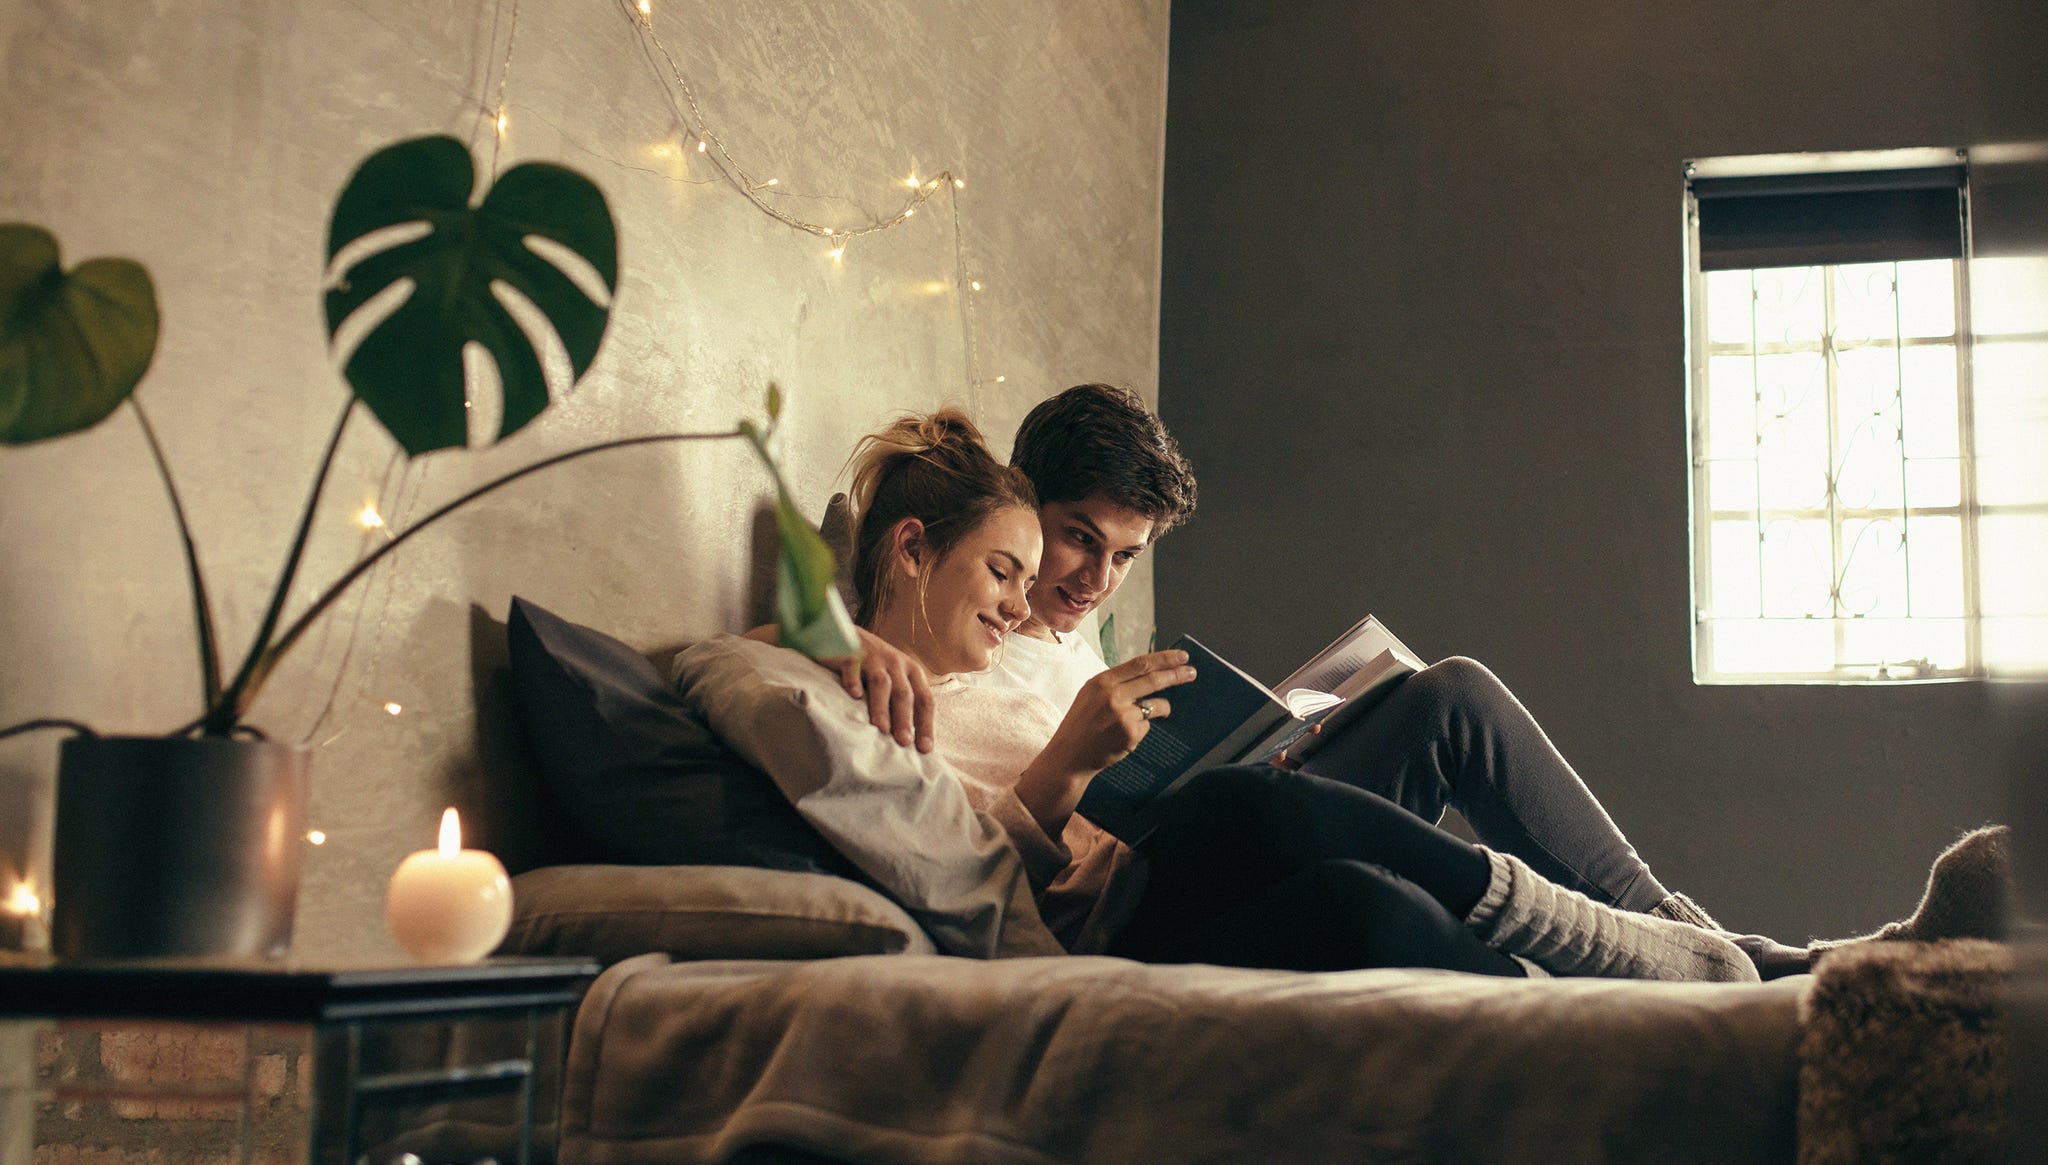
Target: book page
{"type": "Point", "coordinates": [1345, 655]}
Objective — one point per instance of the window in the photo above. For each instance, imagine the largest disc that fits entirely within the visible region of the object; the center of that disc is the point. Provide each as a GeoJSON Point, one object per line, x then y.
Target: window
{"type": "Point", "coordinates": [1844, 528]}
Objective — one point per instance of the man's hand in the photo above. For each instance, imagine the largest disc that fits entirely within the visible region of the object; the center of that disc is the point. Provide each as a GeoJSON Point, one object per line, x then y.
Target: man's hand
{"type": "Point", "coordinates": [896, 687]}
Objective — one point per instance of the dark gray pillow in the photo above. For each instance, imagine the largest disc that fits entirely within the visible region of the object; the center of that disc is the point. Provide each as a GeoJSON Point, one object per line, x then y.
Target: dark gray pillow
{"type": "Point", "coordinates": [638, 776]}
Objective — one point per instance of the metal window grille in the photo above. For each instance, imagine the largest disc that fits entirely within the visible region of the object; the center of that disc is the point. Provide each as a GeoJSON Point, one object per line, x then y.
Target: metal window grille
{"type": "Point", "coordinates": [1832, 477]}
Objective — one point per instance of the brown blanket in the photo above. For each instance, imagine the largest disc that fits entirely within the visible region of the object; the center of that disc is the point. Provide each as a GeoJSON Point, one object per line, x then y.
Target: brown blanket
{"type": "Point", "coordinates": [1904, 1056]}
{"type": "Point", "coordinates": [930, 1060]}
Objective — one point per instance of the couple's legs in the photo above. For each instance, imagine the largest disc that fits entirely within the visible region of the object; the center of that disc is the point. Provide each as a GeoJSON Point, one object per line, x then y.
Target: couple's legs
{"type": "Point", "coordinates": [1258, 866]}
{"type": "Point", "coordinates": [1453, 736]}
{"type": "Point", "coordinates": [1253, 866]}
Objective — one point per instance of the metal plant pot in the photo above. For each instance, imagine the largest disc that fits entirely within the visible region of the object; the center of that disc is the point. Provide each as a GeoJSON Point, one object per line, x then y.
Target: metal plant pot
{"type": "Point", "coordinates": [177, 847]}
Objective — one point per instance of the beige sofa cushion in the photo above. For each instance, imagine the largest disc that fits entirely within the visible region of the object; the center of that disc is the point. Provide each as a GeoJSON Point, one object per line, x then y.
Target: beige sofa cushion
{"type": "Point", "coordinates": [703, 912]}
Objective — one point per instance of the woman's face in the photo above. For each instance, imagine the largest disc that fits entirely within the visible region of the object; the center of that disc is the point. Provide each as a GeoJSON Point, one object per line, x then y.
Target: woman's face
{"type": "Point", "coordinates": [973, 595]}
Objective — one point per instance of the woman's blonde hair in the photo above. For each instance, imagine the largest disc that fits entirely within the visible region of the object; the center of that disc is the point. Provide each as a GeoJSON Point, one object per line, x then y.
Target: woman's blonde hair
{"type": "Point", "coordinates": [935, 468]}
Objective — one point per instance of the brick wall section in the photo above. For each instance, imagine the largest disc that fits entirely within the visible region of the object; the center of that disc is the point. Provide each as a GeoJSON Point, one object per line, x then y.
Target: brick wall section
{"type": "Point", "coordinates": [155, 1094]}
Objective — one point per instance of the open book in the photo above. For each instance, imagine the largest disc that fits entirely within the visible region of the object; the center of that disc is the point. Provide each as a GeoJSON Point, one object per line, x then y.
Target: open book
{"type": "Point", "coordinates": [1227, 717]}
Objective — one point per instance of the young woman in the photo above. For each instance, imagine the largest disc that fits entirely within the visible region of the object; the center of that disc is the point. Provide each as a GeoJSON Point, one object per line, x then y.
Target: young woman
{"type": "Point", "coordinates": [1251, 865]}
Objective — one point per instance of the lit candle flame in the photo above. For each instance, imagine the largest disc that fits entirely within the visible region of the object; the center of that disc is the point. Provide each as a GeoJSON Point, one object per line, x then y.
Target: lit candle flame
{"type": "Point", "coordinates": [451, 834]}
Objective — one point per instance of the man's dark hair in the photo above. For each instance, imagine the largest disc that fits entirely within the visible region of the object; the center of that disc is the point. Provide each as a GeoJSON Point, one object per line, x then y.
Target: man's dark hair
{"type": "Point", "coordinates": [1100, 439]}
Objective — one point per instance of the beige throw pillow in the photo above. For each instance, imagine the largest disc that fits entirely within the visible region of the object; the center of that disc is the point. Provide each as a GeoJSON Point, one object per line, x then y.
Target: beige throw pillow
{"type": "Point", "coordinates": [611, 913]}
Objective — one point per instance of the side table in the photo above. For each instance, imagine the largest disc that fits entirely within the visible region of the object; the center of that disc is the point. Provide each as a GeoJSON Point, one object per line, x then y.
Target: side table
{"type": "Point", "coordinates": [282, 1064]}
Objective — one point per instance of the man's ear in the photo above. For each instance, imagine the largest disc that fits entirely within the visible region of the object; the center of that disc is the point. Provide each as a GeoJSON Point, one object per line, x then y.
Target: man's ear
{"type": "Point", "coordinates": [908, 549]}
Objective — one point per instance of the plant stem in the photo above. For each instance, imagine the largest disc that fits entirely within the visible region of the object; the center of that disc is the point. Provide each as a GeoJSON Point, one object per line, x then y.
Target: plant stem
{"type": "Point", "coordinates": [202, 609]}
{"type": "Point", "coordinates": [222, 713]}
{"type": "Point", "coordinates": [300, 625]}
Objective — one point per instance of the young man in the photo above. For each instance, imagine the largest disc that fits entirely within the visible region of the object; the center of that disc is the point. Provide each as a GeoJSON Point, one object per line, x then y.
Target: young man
{"type": "Point", "coordinates": [1110, 482]}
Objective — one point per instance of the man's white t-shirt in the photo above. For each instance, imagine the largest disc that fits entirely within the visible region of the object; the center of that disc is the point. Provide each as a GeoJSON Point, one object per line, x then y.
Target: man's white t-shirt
{"type": "Point", "coordinates": [1055, 669]}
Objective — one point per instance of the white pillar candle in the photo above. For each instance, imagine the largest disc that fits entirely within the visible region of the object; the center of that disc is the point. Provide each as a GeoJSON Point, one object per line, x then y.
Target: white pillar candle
{"type": "Point", "coordinates": [449, 905]}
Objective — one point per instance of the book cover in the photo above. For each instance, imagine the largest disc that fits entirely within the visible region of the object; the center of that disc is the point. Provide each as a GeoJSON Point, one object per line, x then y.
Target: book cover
{"type": "Point", "coordinates": [1215, 719]}
{"type": "Point", "coordinates": [1226, 717]}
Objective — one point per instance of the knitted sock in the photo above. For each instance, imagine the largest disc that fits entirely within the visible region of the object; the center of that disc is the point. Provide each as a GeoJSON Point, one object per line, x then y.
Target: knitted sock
{"type": "Point", "coordinates": [1679, 908]}
{"type": "Point", "coordinates": [1772, 959]}
{"type": "Point", "coordinates": [1567, 933]}
{"type": "Point", "coordinates": [1966, 895]}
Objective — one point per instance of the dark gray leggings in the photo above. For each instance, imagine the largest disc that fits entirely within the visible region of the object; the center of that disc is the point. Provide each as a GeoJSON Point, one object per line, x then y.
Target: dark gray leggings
{"type": "Point", "coordinates": [1256, 866]}
{"type": "Point", "coordinates": [1453, 736]}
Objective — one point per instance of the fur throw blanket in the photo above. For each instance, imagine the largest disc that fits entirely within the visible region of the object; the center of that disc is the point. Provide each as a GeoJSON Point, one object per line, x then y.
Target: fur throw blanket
{"type": "Point", "coordinates": [1903, 1056]}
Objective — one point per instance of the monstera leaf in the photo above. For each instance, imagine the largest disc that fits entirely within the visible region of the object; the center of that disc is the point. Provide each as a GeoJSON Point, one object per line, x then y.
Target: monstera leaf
{"type": "Point", "coordinates": [408, 368]}
{"type": "Point", "coordinates": [73, 343]}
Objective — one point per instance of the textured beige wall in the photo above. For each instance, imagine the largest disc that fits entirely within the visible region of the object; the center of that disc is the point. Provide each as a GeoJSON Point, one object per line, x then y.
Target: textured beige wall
{"type": "Point", "coordinates": [209, 139]}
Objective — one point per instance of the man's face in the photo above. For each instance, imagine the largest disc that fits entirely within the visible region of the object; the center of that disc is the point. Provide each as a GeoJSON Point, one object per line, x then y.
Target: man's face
{"type": "Point", "coordinates": [1089, 547]}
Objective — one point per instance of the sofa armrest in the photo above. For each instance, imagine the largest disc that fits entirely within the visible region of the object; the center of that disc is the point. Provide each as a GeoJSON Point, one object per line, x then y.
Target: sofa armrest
{"type": "Point", "coordinates": [611, 913]}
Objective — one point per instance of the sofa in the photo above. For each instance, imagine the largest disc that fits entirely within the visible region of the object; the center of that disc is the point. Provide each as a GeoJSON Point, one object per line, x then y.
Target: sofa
{"type": "Point", "coordinates": [786, 983]}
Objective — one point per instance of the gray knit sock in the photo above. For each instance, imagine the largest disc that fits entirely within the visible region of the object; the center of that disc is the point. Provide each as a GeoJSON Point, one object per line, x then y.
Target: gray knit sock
{"type": "Point", "coordinates": [1567, 933]}
{"type": "Point", "coordinates": [1966, 895]}
{"type": "Point", "coordinates": [1679, 908]}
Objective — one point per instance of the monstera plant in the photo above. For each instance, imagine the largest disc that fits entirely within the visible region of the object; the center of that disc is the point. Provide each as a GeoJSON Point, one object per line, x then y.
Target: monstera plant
{"type": "Point", "coordinates": [408, 227]}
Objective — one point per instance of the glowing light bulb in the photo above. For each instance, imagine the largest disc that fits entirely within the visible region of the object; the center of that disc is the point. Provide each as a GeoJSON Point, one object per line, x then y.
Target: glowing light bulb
{"type": "Point", "coordinates": [1000, 379]}
{"type": "Point", "coordinates": [975, 284]}
{"type": "Point", "coordinates": [775, 182]}
{"type": "Point", "coordinates": [959, 183]}
{"type": "Point", "coordinates": [394, 708]}
{"type": "Point", "coordinates": [646, 9]}
{"type": "Point", "coordinates": [838, 253]}
{"type": "Point", "coordinates": [23, 901]}
{"type": "Point", "coordinates": [702, 145]}
{"type": "Point", "coordinates": [316, 837]}
{"type": "Point", "coordinates": [369, 518]}
{"type": "Point", "coordinates": [908, 211]}
{"type": "Point", "coordinates": [503, 121]}
{"type": "Point", "coordinates": [911, 182]}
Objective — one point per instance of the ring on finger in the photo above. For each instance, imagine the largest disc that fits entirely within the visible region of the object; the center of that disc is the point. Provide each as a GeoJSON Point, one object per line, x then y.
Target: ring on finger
{"type": "Point", "coordinates": [1145, 709]}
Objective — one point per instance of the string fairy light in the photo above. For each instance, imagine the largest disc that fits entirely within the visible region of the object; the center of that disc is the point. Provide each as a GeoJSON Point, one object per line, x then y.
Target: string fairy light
{"type": "Point", "coordinates": [683, 102]}
{"type": "Point", "coordinates": [497, 111]}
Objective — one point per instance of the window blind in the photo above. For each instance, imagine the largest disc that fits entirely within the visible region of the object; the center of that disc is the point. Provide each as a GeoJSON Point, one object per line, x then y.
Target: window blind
{"type": "Point", "coordinates": [1804, 220]}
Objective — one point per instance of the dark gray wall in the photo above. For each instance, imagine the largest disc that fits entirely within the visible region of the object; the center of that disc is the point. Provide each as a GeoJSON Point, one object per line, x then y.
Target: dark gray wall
{"type": "Point", "coordinates": [1421, 333]}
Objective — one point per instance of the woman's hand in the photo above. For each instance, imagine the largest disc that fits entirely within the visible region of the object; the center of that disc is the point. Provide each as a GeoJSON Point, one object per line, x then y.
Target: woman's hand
{"type": "Point", "coordinates": [1112, 713]}
{"type": "Point", "coordinates": [896, 687]}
